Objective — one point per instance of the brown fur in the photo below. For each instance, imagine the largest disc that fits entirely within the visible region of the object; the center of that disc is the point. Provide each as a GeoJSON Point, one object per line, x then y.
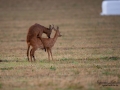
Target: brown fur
{"type": "Point", "coordinates": [48, 42]}
{"type": "Point", "coordinates": [36, 31]}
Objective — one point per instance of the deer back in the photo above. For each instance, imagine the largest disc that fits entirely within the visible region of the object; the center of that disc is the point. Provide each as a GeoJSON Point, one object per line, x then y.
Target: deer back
{"type": "Point", "coordinates": [37, 30]}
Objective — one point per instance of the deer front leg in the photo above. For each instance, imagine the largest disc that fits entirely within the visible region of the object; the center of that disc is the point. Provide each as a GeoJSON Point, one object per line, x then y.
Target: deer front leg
{"type": "Point", "coordinates": [51, 53]}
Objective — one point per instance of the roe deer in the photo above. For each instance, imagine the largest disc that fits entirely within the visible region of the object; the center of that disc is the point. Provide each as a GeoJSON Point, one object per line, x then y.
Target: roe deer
{"type": "Point", "coordinates": [48, 42]}
{"type": "Point", "coordinates": [37, 30]}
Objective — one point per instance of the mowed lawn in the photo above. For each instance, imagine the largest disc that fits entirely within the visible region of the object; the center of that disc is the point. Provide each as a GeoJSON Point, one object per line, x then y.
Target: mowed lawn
{"type": "Point", "coordinates": [86, 57]}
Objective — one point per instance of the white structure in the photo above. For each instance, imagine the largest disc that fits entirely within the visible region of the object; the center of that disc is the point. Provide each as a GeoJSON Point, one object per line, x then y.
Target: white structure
{"type": "Point", "coordinates": [111, 7]}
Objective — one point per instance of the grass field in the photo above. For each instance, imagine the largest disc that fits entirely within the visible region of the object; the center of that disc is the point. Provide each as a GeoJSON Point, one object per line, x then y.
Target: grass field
{"type": "Point", "coordinates": [86, 57]}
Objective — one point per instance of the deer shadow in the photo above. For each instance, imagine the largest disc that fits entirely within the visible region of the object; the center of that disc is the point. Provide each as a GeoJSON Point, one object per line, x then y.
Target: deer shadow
{"type": "Point", "coordinates": [4, 61]}
{"type": "Point", "coordinates": [11, 61]}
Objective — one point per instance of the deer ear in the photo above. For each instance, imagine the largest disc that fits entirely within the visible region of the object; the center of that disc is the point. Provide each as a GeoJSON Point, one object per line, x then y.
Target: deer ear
{"type": "Point", "coordinates": [57, 28]}
{"type": "Point", "coordinates": [52, 26]}
{"type": "Point", "coordinates": [49, 26]}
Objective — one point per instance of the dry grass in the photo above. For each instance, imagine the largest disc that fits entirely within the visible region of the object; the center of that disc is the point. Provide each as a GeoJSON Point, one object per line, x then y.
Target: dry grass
{"type": "Point", "coordinates": [87, 52]}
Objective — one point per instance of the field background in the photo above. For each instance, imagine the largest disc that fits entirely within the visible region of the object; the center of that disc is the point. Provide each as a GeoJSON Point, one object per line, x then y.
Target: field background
{"type": "Point", "coordinates": [87, 53]}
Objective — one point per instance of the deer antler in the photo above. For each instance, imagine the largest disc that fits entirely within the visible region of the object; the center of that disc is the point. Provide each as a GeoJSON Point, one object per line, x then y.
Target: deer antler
{"type": "Point", "coordinates": [57, 28]}
{"type": "Point", "coordinates": [53, 27]}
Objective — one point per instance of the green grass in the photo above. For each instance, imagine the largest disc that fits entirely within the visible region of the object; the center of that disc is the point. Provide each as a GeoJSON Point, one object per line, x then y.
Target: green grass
{"type": "Point", "coordinates": [0, 85]}
{"type": "Point", "coordinates": [9, 68]}
{"type": "Point", "coordinates": [52, 68]}
{"type": "Point", "coordinates": [111, 58]}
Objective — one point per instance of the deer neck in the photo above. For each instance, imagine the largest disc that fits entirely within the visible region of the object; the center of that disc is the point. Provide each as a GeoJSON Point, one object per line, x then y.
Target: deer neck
{"type": "Point", "coordinates": [45, 30]}
{"type": "Point", "coordinates": [56, 36]}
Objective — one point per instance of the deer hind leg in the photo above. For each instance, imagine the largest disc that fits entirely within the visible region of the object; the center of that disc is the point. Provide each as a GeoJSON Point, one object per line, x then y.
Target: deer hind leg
{"type": "Point", "coordinates": [31, 55]}
{"type": "Point", "coordinates": [48, 51]}
{"type": "Point", "coordinates": [32, 52]}
{"type": "Point", "coordinates": [28, 51]}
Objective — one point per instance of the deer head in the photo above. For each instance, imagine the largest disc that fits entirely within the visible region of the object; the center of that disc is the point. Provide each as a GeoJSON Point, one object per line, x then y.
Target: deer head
{"type": "Point", "coordinates": [57, 31]}
{"type": "Point", "coordinates": [49, 31]}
